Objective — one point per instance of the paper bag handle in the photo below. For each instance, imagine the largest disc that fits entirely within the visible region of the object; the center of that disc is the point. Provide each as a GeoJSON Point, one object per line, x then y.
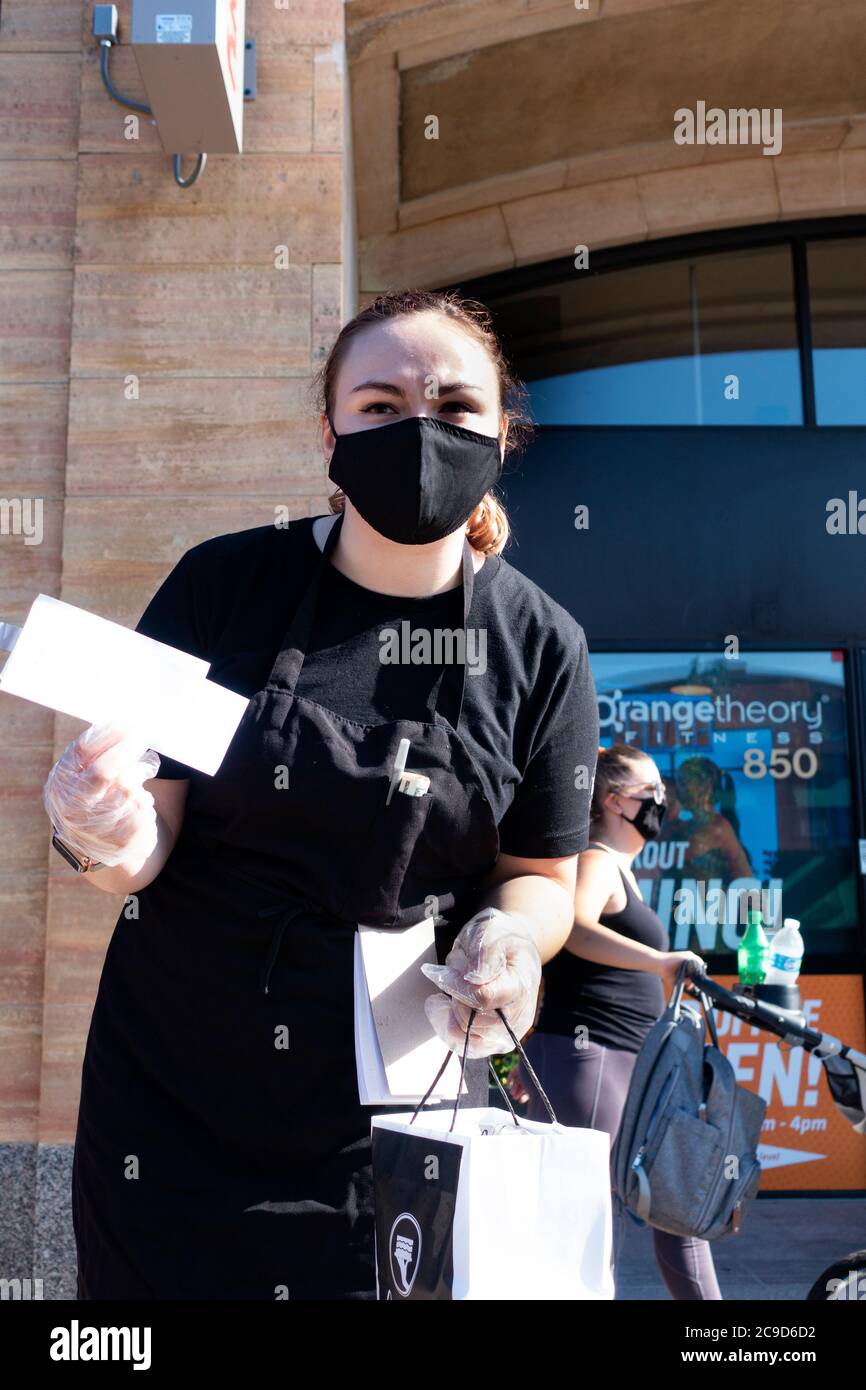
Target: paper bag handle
{"type": "Point", "coordinates": [524, 1059]}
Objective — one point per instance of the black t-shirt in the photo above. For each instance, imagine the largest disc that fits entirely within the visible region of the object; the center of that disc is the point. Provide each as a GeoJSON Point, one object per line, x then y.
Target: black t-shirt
{"type": "Point", "coordinates": [618, 1007]}
{"type": "Point", "coordinates": [530, 716]}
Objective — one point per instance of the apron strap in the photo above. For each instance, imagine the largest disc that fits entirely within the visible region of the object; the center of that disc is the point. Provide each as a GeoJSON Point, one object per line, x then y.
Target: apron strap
{"type": "Point", "coordinates": [451, 686]}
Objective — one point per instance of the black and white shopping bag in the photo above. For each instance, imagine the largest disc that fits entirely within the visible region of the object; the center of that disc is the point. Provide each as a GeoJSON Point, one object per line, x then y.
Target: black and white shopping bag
{"type": "Point", "coordinates": [477, 1203]}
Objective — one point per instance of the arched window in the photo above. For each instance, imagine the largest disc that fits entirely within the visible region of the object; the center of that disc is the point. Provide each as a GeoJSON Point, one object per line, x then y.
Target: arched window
{"type": "Point", "coordinates": [758, 326]}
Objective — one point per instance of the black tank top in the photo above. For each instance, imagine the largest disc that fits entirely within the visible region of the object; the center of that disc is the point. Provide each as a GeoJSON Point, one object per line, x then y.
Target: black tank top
{"type": "Point", "coordinates": [617, 1006]}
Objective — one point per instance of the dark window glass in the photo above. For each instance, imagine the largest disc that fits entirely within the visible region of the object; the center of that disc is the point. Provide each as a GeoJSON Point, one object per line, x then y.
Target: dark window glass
{"type": "Point", "coordinates": [707, 340]}
{"type": "Point", "coordinates": [837, 287]}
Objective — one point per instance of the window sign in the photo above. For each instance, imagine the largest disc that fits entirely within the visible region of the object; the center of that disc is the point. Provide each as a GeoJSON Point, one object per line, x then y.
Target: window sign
{"type": "Point", "coordinates": [754, 754]}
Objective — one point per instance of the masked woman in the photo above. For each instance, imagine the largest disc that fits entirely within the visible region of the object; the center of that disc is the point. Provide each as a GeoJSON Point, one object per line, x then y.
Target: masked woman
{"type": "Point", "coordinates": [221, 1151]}
{"type": "Point", "coordinates": [605, 990]}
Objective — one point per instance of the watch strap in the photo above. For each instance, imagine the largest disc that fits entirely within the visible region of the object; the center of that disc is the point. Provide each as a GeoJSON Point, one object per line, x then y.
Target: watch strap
{"type": "Point", "coordinates": [81, 863]}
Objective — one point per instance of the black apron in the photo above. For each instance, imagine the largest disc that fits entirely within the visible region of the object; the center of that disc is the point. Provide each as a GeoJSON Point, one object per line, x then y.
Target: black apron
{"type": "Point", "coordinates": [221, 1149]}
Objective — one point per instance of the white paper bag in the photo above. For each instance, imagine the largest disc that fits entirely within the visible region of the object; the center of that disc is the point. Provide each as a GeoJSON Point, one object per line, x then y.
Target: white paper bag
{"type": "Point", "coordinates": [490, 1210]}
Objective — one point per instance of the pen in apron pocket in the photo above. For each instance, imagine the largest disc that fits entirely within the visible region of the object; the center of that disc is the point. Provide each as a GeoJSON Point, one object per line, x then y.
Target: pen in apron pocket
{"type": "Point", "coordinates": [410, 783]}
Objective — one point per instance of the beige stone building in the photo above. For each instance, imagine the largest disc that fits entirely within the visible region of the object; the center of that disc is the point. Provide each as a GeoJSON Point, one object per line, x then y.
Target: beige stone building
{"type": "Point", "coordinates": [390, 144]}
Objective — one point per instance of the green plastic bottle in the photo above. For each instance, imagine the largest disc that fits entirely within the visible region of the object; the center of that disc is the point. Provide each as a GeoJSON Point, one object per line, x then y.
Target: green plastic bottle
{"type": "Point", "coordinates": [753, 951]}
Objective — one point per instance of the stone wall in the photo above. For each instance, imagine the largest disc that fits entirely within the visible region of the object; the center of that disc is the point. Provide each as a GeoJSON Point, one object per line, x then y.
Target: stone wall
{"type": "Point", "coordinates": [556, 119]}
{"type": "Point", "coordinates": [156, 354]}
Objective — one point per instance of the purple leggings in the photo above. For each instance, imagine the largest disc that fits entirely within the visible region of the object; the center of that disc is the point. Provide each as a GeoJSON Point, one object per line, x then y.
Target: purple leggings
{"type": "Point", "coordinates": [587, 1088]}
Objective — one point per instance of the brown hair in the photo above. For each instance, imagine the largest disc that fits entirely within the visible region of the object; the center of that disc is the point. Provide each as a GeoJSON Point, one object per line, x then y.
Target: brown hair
{"type": "Point", "coordinates": [487, 529]}
{"type": "Point", "coordinates": [612, 771]}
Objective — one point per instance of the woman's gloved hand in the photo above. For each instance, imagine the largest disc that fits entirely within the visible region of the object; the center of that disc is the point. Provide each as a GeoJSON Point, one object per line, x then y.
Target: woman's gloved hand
{"type": "Point", "coordinates": [95, 797]}
{"type": "Point", "coordinates": [493, 964]}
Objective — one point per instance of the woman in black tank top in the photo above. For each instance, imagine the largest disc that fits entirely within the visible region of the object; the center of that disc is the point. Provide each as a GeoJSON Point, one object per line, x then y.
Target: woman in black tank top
{"type": "Point", "coordinates": [615, 1006]}
{"type": "Point", "coordinates": [608, 985]}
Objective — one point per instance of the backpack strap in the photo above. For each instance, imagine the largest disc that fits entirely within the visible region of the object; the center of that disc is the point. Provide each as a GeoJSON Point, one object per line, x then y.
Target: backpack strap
{"type": "Point", "coordinates": [710, 1016]}
{"type": "Point", "coordinates": [677, 994]}
{"type": "Point", "coordinates": [706, 1002]}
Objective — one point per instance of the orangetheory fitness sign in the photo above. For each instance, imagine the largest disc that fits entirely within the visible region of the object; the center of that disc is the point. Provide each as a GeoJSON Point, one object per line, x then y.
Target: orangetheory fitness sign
{"type": "Point", "coordinates": [805, 1142]}
{"type": "Point", "coordinates": [754, 755]}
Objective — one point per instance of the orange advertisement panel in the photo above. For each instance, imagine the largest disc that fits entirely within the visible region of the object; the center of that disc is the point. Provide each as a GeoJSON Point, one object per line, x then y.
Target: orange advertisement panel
{"type": "Point", "coordinates": [805, 1142]}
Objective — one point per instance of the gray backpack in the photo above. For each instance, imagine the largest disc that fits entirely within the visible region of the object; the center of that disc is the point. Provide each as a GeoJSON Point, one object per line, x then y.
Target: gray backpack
{"type": "Point", "coordinates": [685, 1159]}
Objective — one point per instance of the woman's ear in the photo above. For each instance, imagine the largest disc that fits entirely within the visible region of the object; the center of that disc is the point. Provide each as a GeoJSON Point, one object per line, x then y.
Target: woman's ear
{"type": "Point", "coordinates": [609, 804]}
{"type": "Point", "coordinates": [328, 438]}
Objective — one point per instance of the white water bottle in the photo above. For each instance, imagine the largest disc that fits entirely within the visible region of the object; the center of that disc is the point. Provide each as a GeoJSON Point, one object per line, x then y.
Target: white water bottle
{"type": "Point", "coordinates": [785, 955]}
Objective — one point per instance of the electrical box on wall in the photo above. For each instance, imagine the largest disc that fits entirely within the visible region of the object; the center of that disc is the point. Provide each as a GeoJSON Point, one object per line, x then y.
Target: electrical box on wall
{"type": "Point", "coordinates": [191, 61]}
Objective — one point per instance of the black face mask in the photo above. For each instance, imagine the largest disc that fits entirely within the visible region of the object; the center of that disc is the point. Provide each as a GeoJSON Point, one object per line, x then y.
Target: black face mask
{"type": "Point", "coordinates": [417, 480]}
{"type": "Point", "coordinates": [648, 821]}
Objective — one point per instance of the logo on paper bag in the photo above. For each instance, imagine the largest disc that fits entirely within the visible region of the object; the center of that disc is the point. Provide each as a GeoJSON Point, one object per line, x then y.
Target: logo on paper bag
{"type": "Point", "coordinates": [414, 1195]}
{"type": "Point", "coordinates": [405, 1247]}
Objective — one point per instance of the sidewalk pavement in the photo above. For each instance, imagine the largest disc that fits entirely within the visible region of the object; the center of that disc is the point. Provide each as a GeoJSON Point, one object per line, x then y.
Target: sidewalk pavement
{"type": "Point", "coordinates": [784, 1244]}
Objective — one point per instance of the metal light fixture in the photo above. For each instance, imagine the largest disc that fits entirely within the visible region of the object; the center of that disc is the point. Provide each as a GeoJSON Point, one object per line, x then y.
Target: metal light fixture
{"type": "Point", "coordinates": [197, 68]}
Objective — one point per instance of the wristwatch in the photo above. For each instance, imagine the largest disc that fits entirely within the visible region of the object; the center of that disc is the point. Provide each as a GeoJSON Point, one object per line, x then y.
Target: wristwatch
{"type": "Point", "coordinates": [81, 863]}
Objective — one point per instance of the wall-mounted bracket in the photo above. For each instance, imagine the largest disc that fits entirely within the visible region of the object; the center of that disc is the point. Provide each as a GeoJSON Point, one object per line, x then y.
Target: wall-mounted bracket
{"type": "Point", "coordinates": [249, 70]}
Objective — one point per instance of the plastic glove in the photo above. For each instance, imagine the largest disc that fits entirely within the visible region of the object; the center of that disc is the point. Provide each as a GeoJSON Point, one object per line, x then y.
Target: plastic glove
{"type": "Point", "coordinates": [95, 798]}
{"type": "Point", "coordinates": [494, 963]}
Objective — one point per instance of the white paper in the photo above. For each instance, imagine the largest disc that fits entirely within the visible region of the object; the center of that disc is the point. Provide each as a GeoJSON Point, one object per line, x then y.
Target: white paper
{"type": "Point", "coordinates": [397, 1051]}
{"type": "Point", "coordinates": [80, 664]}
